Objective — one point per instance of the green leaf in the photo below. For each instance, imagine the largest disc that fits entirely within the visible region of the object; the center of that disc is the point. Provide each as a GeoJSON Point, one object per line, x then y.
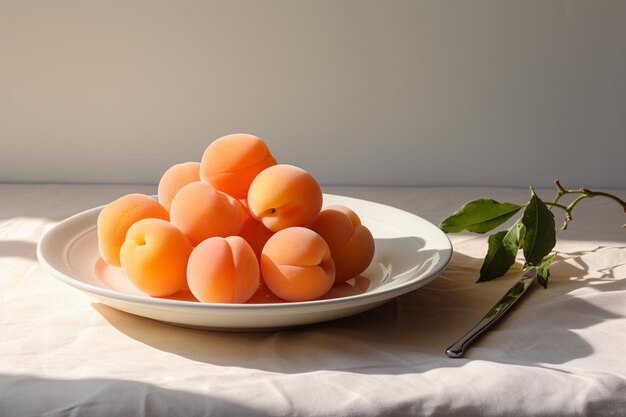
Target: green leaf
{"type": "Point", "coordinates": [522, 234]}
{"type": "Point", "coordinates": [503, 248]}
{"type": "Point", "coordinates": [543, 270]}
{"type": "Point", "coordinates": [540, 236]}
{"type": "Point", "coordinates": [479, 216]}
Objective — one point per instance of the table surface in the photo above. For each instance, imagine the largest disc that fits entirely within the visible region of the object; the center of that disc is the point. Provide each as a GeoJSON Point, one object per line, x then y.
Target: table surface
{"type": "Point", "coordinates": [560, 352]}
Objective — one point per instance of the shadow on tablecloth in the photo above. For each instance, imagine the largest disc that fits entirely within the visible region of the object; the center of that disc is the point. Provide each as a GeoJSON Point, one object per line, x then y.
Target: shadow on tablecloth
{"type": "Point", "coordinates": [22, 395]}
{"type": "Point", "coordinates": [18, 248]}
{"type": "Point", "coordinates": [409, 334]}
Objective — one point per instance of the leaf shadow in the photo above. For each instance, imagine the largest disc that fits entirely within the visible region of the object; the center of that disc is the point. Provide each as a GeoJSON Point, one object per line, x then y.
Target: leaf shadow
{"type": "Point", "coordinates": [574, 266]}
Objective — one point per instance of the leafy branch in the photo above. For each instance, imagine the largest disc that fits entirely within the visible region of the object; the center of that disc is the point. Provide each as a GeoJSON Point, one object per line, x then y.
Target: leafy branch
{"type": "Point", "coordinates": [534, 232]}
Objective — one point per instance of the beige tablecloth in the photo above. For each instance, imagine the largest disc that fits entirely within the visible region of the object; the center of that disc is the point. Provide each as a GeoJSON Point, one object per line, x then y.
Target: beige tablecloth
{"type": "Point", "coordinates": [561, 352]}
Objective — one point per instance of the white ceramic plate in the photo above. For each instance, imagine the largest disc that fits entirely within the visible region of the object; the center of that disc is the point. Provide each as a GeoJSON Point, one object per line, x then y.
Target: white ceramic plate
{"type": "Point", "coordinates": [410, 252]}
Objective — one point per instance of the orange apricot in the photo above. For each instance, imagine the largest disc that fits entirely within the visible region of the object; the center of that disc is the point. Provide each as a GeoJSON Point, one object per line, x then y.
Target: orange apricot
{"type": "Point", "coordinates": [231, 162]}
{"type": "Point", "coordinates": [253, 231]}
{"type": "Point", "coordinates": [351, 244]}
{"type": "Point", "coordinates": [284, 196]}
{"type": "Point", "coordinates": [154, 256]}
{"type": "Point", "coordinates": [296, 264]}
{"type": "Point", "coordinates": [200, 212]}
{"type": "Point", "coordinates": [175, 178]}
{"type": "Point", "coordinates": [223, 270]}
{"type": "Point", "coordinates": [354, 218]}
{"type": "Point", "coordinates": [118, 216]}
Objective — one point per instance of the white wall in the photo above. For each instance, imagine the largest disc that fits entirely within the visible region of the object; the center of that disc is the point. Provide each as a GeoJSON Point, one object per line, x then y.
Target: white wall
{"type": "Point", "coordinates": [358, 92]}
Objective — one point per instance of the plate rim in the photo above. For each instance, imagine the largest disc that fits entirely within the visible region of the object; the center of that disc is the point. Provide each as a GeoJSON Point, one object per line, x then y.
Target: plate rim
{"type": "Point", "coordinates": [358, 299]}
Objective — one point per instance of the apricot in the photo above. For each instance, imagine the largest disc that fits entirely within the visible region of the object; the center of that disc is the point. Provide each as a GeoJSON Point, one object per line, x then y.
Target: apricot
{"type": "Point", "coordinates": [296, 264]}
{"type": "Point", "coordinates": [200, 212]}
{"type": "Point", "coordinates": [231, 162]}
{"type": "Point", "coordinates": [223, 270]}
{"type": "Point", "coordinates": [175, 178]}
{"type": "Point", "coordinates": [354, 218]}
{"type": "Point", "coordinates": [118, 216]}
{"type": "Point", "coordinates": [351, 244]}
{"type": "Point", "coordinates": [283, 196]}
{"type": "Point", "coordinates": [253, 231]}
{"type": "Point", "coordinates": [154, 256]}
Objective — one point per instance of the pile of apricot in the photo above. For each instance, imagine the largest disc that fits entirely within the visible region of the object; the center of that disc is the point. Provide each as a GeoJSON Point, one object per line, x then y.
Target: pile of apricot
{"type": "Point", "coordinates": [236, 227]}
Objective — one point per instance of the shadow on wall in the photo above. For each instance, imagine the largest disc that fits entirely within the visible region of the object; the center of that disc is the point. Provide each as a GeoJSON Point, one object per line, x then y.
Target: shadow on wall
{"type": "Point", "coordinates": [405, 336]}
{"type": "Point", "coordinates": [105, 397]}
